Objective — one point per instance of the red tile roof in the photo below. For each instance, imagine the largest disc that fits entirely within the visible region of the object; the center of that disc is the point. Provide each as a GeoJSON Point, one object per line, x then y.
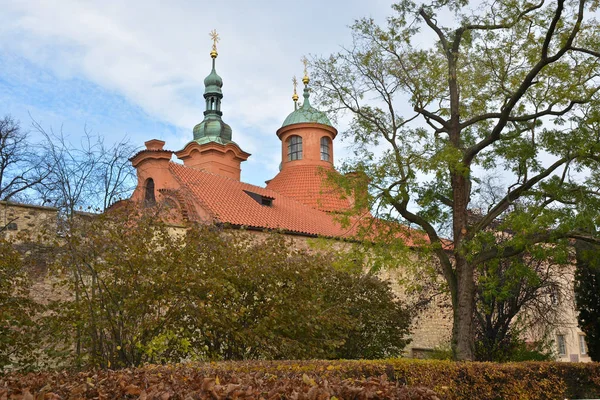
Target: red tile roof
{"type": "Point", "coordinates": [226, 200]}
{"type": "Point", "coordinates": [309, 185]}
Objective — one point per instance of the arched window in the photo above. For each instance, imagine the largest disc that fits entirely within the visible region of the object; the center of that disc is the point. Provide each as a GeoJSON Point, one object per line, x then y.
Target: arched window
{"type": "Point", "coordinates": [149, 195]}
{"type": "Point", "coordinates": [294, 148]}
{"type": "Point", "coordinates": [325, 149]}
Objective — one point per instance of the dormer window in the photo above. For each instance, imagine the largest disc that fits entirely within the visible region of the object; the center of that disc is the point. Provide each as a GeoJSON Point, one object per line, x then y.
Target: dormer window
{"type": "Point", "coordinates": [294, 148]}
{"type": "Point", "coordinates": [325, 149]}
{"type": "Point", "coordinates": [260, 198]}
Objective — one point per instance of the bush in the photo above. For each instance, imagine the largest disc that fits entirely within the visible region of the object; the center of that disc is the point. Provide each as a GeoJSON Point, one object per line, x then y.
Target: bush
{"type": "Point", "coordinates": [512, 347]}
{"type": "Point", "coordinates": [391, 379]}
{"type": "Point", "coordinates": [587, 285]}
{"type": "Point", "coordinates": [143, 292]}
{"type": "Point", "coordinates": [18, 329]}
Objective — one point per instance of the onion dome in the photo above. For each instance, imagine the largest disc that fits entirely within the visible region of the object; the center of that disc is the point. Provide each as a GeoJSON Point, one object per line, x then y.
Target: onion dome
{"type": "Point", "coordinates": [213, 128]}
{"type": "Point", "coordinates": [213, 82]}
{"type": "Point", "coordinates": [306, 112]}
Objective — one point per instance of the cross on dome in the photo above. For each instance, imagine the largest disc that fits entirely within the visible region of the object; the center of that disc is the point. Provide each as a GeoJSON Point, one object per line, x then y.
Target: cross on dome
{"type": "Point", "coordinates": [215, 38]}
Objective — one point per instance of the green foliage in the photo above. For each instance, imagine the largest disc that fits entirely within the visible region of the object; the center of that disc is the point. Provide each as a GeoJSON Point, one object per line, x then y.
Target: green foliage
{"type": "Point", "coordinates": [378, 328]}
{"type": "Point", "coordinates": [18, 328]}
{"type": "Point", "coordinates": [511, 347]}
{"type": "Point", "coordinates": [587, 299]}
{"type": "Point", "coordinates": [506, 90]}
{"type": "Point", "coordinates": [441, 352]}
{"type": "Point", "coordinates": [513, 294]}
{"type": "Point", "coordinates": [143, 292]}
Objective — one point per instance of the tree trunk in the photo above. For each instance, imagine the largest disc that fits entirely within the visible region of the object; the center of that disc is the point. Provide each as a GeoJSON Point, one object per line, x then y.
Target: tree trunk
{"type": "Point", "coordinates": [463, 334]}
{"type": "Point", "coordinates": [463, 324]}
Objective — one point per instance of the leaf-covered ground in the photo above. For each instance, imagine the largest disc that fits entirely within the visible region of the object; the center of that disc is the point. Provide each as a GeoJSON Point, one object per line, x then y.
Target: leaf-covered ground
{"type": "Point", "coordinates": [207, 382]}
{"type": "Point", "coordinates": [384, 379]}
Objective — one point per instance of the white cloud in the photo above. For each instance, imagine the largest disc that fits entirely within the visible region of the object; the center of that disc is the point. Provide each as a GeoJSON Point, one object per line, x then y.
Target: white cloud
{"type": "Point", "coordinates": [155, 53]}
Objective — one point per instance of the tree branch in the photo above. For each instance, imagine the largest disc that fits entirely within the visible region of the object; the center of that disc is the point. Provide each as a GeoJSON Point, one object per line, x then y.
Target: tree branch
{"type": "Point", "coordinates": [514, 195]}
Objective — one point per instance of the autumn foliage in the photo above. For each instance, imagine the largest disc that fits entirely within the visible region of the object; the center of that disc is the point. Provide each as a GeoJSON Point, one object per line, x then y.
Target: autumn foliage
{"type": "Point", "coordinates": [129, 289]}
{"type": "Point", "coordinates": [391, 379]}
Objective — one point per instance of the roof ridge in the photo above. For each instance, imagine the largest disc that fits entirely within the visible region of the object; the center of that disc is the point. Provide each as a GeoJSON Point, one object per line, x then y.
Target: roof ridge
{"type": "Point", "coordinates": [219, 176]}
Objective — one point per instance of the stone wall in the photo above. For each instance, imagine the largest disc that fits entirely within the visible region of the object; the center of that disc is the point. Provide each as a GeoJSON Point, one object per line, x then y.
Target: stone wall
{"type": "Point", "coordinates": [431, 328]}
{"type": "Point", "coordinates": [25, 219]}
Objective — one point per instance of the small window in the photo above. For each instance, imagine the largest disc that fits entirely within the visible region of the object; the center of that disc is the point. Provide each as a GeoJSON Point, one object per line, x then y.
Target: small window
{"type": "Point", "coordinates": [11, 226]}
{"type": "Point", "coordinates": [325, 153]}
{"type": "Point", "coordinates": [582, 348]}
{"type": "Point", "coordinates": [562, 346]}
{"type": "Point", "coordinates": [149, 196]}
{"type": "Point", "coordinates": [294, 148]}
{"type": "Point", "coordinates": [554, 296]}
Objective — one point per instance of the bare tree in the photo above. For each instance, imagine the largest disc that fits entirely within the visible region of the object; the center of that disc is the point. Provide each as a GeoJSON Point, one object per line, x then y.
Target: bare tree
{"type": "Point", "coordinates": [90, 176]}
{"type": "Point", "coordinates": [115, 173]}
{"type": "Point", "coordinates": [21, 168]}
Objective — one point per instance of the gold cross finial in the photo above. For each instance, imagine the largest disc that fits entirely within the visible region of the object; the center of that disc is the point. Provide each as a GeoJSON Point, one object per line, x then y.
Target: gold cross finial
{"type": "Point", "coordinates": [305, 79]}
{"type": "Point", "coordinates": [215, 38]}
{"type": "Point", "coordinates": [295, 96]}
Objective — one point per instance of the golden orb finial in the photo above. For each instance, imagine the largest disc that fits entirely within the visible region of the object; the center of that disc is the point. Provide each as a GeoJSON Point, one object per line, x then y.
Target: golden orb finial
{"type": "Point", "coordinates": [295, 95]}
{"type": "Point", "coordinates": [215, 38]}
{"type": "Point", "coordinates": [305, 79]}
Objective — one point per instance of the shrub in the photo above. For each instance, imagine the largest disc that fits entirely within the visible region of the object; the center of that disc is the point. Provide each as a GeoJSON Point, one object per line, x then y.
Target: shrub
{"type": "Point", "coordinates": [18, 329]}
{"type": "Point", "coordinates": [390, 379]}
{"type": "Point", "coordinates": [587, 285]}
{"type": "Point", "coordinates": [143, 292]}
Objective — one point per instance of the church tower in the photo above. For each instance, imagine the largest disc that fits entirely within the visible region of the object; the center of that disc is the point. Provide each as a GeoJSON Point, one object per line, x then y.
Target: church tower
{"type": "Point", "coordinates": [212, 149]}
{"type": "Point", "coordinates": [307, 156]}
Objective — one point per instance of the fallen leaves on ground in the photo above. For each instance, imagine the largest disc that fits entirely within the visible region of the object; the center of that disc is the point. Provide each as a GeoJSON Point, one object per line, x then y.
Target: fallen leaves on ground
{"type": "Point", "coordinates": [202, 381]}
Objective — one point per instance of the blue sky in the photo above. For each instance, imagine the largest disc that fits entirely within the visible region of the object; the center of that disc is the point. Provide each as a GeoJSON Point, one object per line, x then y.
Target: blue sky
{"type": "Point", "coordinates": [136, 68]}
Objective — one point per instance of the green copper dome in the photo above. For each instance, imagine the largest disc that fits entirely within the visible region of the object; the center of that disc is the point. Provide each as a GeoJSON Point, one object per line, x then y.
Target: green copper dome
{"type": "Point", "coordinates": [213, 128]}
{"type": "Point", "coordinates": [307, 113]}
{"type": "Point", "coordinates": [213, 82]}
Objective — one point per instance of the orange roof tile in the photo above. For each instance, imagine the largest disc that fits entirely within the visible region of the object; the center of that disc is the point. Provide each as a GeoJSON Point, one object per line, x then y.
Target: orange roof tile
{"type": "Point", "coordinates": [308, 184]}
{"type": "Point", "coordinates": [227, 201]}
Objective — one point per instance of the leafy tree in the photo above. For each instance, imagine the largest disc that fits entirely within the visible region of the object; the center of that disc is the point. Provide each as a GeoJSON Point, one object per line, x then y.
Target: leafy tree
{"type": "Point", "coordinates": [378, 326]}
{"type": "Point", "coordinates": [447, 94]}
{"type": "Point", "coordinates": [587, 287]}
{"type": "Point", "coordinates": [150, 293]}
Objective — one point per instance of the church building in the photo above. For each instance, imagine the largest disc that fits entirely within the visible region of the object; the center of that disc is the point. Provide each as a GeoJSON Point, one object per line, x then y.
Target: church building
{"type": "Point", "coordinates": [205, 184]}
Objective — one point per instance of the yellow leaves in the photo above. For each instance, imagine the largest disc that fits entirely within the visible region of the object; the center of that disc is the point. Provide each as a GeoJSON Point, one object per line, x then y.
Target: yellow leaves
{"type": "Point", "coordinates": [307, 380]}
{"type": "Point", "coordinates": [413, 379]}
{"type": "Point", "coordinates": [90, 382]}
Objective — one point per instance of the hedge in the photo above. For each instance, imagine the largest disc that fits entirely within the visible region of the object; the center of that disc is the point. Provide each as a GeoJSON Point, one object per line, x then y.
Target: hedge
{"type": "Point", "coordinates": [384, 379]}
